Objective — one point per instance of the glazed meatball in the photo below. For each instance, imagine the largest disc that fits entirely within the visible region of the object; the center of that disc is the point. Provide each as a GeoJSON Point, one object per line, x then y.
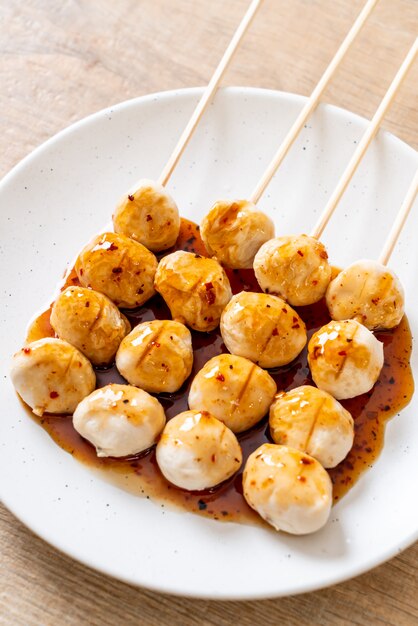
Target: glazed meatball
{"type": "Point", "coordinates": [262, 328]}
{"type": "Point", "coordinates": [345, 359]}
{"type": "Point", "coordinates": [314, 422]}
{"type": "Point", "coordinates": [156, 356]}
{"type": "Point", "coordinates": [148, 215]}
{"type": "Point", "coordinates": [234, 231]}
{"type": "Point", "coordinates": [288, 488]}
{"type": "Point", "coordinates": [89, 321]}
{"type": "Point", "coordinates": [195, 288]}
{"type": "Point", "coordinates": [368, 292]}
{"type": "Point", "coordinates": [52, 376]}
{"type": "Point", "coordinates": [119, 420]}
{"type": "Point", "coordinates": [119, 267]}
{"type": "Point", "coordinates": [234, 390]}
{"type": "Point", "coordinates": [295, 268]}
{"type": "Point", "coordinates": [196, 451]}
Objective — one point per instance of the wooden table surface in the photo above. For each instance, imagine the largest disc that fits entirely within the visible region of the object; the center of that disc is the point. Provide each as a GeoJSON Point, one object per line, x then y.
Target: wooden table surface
{"type": "Point", "coordinates": [63, 60]}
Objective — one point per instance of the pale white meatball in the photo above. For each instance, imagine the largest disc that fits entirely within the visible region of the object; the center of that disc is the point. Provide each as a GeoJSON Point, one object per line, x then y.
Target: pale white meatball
{"type": "Point", "coordinates": [196, 451]}
{"type": "Point", "coordinates": [234, 390]}
{"type": "Point", "coordinates": [233, 232]}
{"type": "Point", "coordinates": [156, 356]}
{"type": "Point", "coordinates": [52, 376]}
{"type": "Point", "coordinates": [314, 422]}
{"type": "Point", "coordinates": [262, 328]}
{"type": "Point", "coordinates": [119, 267]}
{"type": "Point", "coordinates": [195, 288]}
{"type": "Point", "coordinates": [295, 268]}
{"type": "Point", "coordinates": [345, 359]}
{"type": "Point", "coordinates": [368, 292]}
{"type": "Point", "coordinates": [149, 215]}
{"type": "Point", "coordinates": [89, 321]}
{"type": "Point", "coordinates": [119, 420]}
{"type": "Point", "coordinates": [288, 488]}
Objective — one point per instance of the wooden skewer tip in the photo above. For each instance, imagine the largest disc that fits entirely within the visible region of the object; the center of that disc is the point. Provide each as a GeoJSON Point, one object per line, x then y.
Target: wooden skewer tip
{"type": "Point", "coordinates": [209, 92]}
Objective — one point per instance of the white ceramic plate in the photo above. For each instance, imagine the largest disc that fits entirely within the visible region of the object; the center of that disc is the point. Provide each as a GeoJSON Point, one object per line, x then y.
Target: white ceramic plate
{"type": "Point", "coordinates": [61, 195]}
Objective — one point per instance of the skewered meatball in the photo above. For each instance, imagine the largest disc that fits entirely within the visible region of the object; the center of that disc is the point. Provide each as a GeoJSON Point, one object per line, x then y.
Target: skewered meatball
{"type": "Point", "coordinates": [314, 422]}
{"type": "Point", "coordinates": [156, 356]}
{"type": "Point", "coordinates": [52, 376]}
{"type": "Point", "coordinates": [262, 328]}
{"type": "Point", "coordinates": [234, 231]}
{"type": "Point", "coordinates": [294, 268]}
{"type": "Point", "coordinates": [345, 359]}
{"type": "Point", "coordinates": [148, 215]}
{"type": "Point", "coordinates": [119, 267]}
{"type": "Point", "coordinates": [288, 488]}
{"type": "Point", "coordinates": [89, 321]}
{"type": "Point", "coordinates": [195, 288]}
{"type": "Point", "coordinates": [196, 451]}
{"type": "Point", "coordinates": [368, 292]}
{"type": "Point", "coordinates": [119, 420]}
{"type": "Point", "coordinates": [234, 390]}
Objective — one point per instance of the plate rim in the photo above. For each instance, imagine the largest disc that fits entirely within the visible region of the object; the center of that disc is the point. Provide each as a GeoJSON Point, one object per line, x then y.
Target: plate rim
{"type": "Point", "coordinates": [167, 93]}
{"type": "Point", "coordinates": [327, 581]}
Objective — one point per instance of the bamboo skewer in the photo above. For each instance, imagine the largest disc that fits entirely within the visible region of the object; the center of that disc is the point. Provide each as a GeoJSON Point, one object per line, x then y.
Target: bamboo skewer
{"type": "Point", "coordinates": [209, 92]}
{"type": "Point", "coordinates": [365, 141]}
{"type": "Point", "coordinates": [313, 101]}
{"type": "Point", "coordinates": [399, 221]}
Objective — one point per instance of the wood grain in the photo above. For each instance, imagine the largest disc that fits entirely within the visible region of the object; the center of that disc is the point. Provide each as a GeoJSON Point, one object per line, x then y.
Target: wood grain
{"type": "Point", "coordinates": [60, 61]}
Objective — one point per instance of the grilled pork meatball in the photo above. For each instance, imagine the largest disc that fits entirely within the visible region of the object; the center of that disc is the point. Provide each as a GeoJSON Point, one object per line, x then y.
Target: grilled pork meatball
{"type": "Point", "coordinates": [195, 288]}
{"type": "Point", "coordinates": [52, 376]}
{"type": "Point", "coordinates": [295, 268]}
{"type": "Point", "coordinates": [234, 231]}
{"type": "Point", "coordinates": [156, 356]}
{"type": "Point", "coordinates": [196, 451]}
{"type": "Point", "coordinates": [288, 488]}
{"type": "Point", "coordinates": [119, 267]}
{"type": "Point", "coordinates": [234, 390]}
{"type": "Point", "coordinates": [149, 215]}
{"type": "Point", "coordinates": [119, 420]}
{"type": "Point", "coordinates": [89, 321]}
{"type": "Point", "coordinates": [314, 422]}
{"type": "Point", "coordinates": [262, 328]}
{"type": "Point", "coordinates": [368, 292]}
{"type": "Point", "coordinates": [345, 359]}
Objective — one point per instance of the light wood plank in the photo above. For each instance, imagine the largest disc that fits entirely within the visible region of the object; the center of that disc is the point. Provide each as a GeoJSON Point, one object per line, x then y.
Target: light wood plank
{"type": "Point", "coordinates": [60, 61]}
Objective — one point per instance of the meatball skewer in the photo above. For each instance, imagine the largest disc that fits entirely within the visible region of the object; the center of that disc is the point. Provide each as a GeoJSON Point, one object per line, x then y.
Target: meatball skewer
{"type": "Point", "coordinates": [195, 288]}
{"type": "Point", "coordinates": [233, 231]}
{"type": "Point", "coordinates": [288, 488]}
{"type": "Point", "coordinates": [119, 420]}
{"type": "Point", "coordinates": [367, 290]}
{"type": "Point", "coordinates": [196, 451]}
{"type": "Point", "coordinates": [147, 213]}
{"type": "Point", "coordinates": [156, 356]}
{"type": "Point", "coordinates": [234, 390]}
{"type": "Point", "coordinates": [52, 376]}
{"type": "Point", "coordinates": [90, 322]}
{"type": "Point", "coordinates": [263, 329]}
{"type": "Point", "coordinates": [296, 268]}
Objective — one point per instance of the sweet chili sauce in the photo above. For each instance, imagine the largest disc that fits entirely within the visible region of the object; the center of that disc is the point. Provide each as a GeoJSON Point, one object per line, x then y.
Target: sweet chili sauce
{"type": "Point", "coordinates": [140, 475]}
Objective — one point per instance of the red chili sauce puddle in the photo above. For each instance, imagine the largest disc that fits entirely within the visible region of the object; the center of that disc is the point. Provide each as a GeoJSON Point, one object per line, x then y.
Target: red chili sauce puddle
{"type": "Point", "coordinates": [140, 475]}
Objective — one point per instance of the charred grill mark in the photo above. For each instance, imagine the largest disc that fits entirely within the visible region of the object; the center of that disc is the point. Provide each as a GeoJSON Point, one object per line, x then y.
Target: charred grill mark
{"type": "Point", "coordinates": [243, 388]}
{"type": "Point", "coordinates": [150, 345]}
{"type": "Point", "coordinates": [313, 424]}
